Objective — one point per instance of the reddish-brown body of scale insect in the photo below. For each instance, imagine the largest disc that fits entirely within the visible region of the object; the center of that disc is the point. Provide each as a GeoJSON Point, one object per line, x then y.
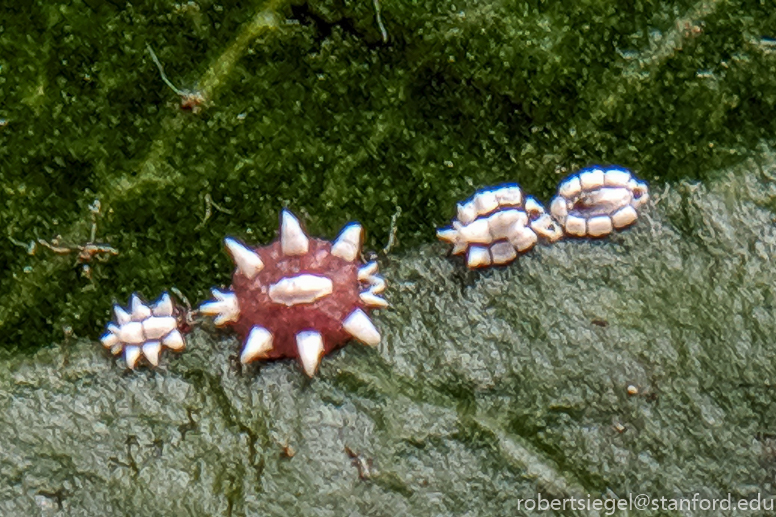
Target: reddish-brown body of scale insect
{"type": "Point", "coordinates": [299, 297]}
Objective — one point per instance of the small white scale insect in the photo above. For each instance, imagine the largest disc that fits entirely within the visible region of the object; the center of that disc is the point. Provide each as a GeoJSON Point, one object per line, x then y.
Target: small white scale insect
{"type": "Point", "coordinates": [496, 224]}
{"type": "Point", "coordinates": [597, 200]}
{"type": "Point", "coordinates": [144, 331]}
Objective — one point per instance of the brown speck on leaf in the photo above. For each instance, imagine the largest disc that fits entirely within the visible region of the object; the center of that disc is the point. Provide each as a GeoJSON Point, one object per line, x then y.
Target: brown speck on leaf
{"type": "Point", "coordinates": [363, 465]}
{"type": "Point", "coordinates": [192, 101]}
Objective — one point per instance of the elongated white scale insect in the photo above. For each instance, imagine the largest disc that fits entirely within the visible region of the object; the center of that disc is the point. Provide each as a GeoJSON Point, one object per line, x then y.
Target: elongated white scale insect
{"type": "Point", "coordinates": [496, 224]}
{"type": "Point", "coordinates": [597, 200]}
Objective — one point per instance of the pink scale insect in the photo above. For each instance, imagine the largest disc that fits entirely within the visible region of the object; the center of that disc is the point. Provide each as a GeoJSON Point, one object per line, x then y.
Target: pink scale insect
{"type": "Point", "coordinates": [299, 297]}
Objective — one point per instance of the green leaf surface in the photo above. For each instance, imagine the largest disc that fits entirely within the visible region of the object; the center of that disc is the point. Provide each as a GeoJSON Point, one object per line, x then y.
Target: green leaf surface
{"type": "Point", "coordinates": [489, 386]}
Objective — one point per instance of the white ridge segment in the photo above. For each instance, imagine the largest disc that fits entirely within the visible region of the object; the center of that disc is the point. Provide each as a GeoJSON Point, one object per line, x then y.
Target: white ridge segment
{"type": "Point", "coordinates": [151, 351]}
{"type": "Point", "coordinates": [606, 199]}
{"type": "Point", "coordinates": [157, 327]}
{"type": "Point", "coordinates": [109, 340]}
{"type": "Point", "coordinates": [131, 355]}
{"type": "Point", "coordinates": [122, 316]}
{"type": "Point", "coordinates": [140, 311]}
{"type": "Point", "coordinates": [117, 348]}
{"type": "Point", "coordinates": [293, 240]}
{"type": "Point", "coordinates": [485, 202]}
{"type": "Point", "coordinates": [547, 228]}
{"type": "Point", "coordinates": [225, 308]}
{"type": "Point", "coordinates": [575, 226]}
{"type": "Point", "coordinates": [247, 261]}
{"type": "Point", "coordinates": [510, 195]}
{"type": "Point", "coordinates": [348, 244]}
{"type": "Point", "coordinates": [616, 178]}
{"type": "Point", "coordinates": [524, 240]}
{"type": "Point", "coordinates": [377, 284]}
{"type": "Point", "coordinates": [131, 333]}
{"type": "Point", "coordinates": [310, 346]}
{"type": "Point", "coordinates": [257, 345]}
{"type": "Point", "coordinates": [478, 232]}
{"type": "Point", "coordinates": [361, 328]}
{"type": "Point", "coordinates": [570, 188]}
{"type": "Point", "coordinates": [640, 193]}
{"type": "Point", "coordinates": [305, 288]}
{"type": "Point", "coordinates": [174, 341]}
{"type": "Point", "coordinates": [459, 247]}
{"type": "Point", "coordinates": [372, 300]}
{"type": "Point", "coordinates": [467, 212]}
{"type": "Point", "coordinates": [477, 256]}
{"type": "Point", "coordinates": [365, 272]}
{"type": "Point", "coordinates": [500, 224]}
{"type": "Point", "coordinates": [599, 226]}
{"type": "Point", "coordinates": [624, 217]}
{"type": "Point", "coordinates": [448, 234]}
{"type": "Point", "coordinates": [503, 253]}
{"type": "Point", "coordinates": [591, 179]}
{"type": "Point", "coordinates": [533, 207]}
{"type": "Point", "coordinates": [559, 208]}
{"type": "Point", "coordinates": [639, 202]}
{"type": "Point", "coordinates": [163, 306]}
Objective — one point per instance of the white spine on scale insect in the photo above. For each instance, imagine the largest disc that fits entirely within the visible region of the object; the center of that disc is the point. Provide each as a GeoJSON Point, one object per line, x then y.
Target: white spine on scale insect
{"type": "Point", "coordinates": [597, 200]}
{"type": "Point", "coordinates": [496, 224]}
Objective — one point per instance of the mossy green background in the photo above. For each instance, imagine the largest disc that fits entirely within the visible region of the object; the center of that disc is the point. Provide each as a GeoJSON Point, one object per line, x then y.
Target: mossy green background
{"type": "Point", "coordinates": [488, 386]}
